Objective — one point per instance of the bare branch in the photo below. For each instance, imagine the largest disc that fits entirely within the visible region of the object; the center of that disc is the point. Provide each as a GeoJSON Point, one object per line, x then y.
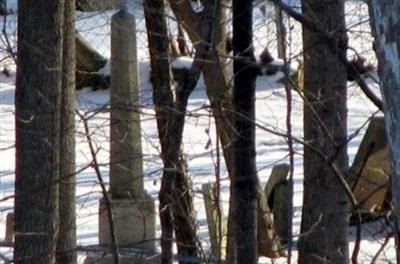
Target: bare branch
{"type": "Point", "coordinates": [332, 43]}
{"type": "Point", "coordinates": [106, 195]}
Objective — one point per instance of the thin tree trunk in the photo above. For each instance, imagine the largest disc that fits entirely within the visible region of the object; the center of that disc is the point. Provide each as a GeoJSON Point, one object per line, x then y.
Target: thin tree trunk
{"type": "Point", "coordinates": [219, 90]}
{"type": "Point", "coordinates": [37, 105]}
{"type": "Point", "coordinates": [66, 243]}
{"type": "Point", "coordinates": [244, 179]}
{"type": "Point", "coordinates": [163, 101]}
{"type": "Point", "coordinates": [176, 205]}
{"type": "Point", "coordinates": [384, 22]}
{"type": "Point", "coordinates": [280, 32]}
{"type": "Point", "coordinates": [3, 7]}
{"type": "Point", "coordinates": [324, 225]}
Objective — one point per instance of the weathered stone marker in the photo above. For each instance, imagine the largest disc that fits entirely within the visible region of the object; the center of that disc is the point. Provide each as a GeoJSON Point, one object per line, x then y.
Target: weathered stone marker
{"type": "Point", "coordinates": [277, 192]}
{"type": "Point", "coordinates": [215, 220]}
{"type": "Point", "coordinates": [126, 179]}
{"type": "Point", "coordinates": [132, 208]}
{"type": "Point", "coordinates": [88, 63]}
{"type": "Point", "coordinates": [369, 175]}
{"type": "Point", "coordinates": [281, 210]}
{"type": "Point", "coordinates": [268, 240]}
{"type": "Point", "coordinates": [279, 173]}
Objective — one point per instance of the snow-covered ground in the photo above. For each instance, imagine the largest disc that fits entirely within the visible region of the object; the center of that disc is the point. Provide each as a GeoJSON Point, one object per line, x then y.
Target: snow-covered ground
{"type": "Point", "coordinates": [199, 129]}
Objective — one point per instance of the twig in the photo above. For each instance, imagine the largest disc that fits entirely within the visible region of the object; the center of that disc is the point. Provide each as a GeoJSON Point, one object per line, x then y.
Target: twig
{"type": "Point", "coordinates": [338, 172]}
{"type": "Point", "coordinates": [289, 101]}
{"type": "Point", "coordinates": [6, 244]}
{"type": "Point", "coordinates": [357, 244]}
{"type": "Point", "coordinates": [380, 250]}
{"type": "Point", "coordinates": [5, 259]}
{"type": "Point", "coordinates": [106, 195]}
{"type": "Point", "coordinates": [332, 43]}
{"type": "Point", "coordinates": [13, 196]}
{"type": "Point", "coordinates": [7, 40]}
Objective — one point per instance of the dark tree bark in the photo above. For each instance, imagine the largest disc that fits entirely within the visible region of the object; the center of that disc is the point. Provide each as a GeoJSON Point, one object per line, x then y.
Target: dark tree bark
{"type": "Point", "coordinates": [219, 90]}
{"type": "Point", "coordinates": [176, 206]}
{"type": "Point", "coordinates": [280, 32]}
{"type": "Point", "coordinates": [37, 105]}
{"type": "Point", "coordinates": [324, 226]}
{"type": "Point", "coordinates": [163, 101]}
{"type": "Point", "coordinates": [385, 27]}
{"type": "Point", "coordinates": [244, 179]}
{"type": "Point", "coordinates": [3, 7]}
{"type": "Point", "coordinates": [66, 243]}
{"type": "Point", "coordinates": [181, 41]}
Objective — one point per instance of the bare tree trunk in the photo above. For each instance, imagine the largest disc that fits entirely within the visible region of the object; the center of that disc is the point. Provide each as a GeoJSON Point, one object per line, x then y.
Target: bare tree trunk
{"type": "Point", "coordinates": [280, 32]}
{"type": "Point", "coordinates": [37, 105]}
{"type": "Point", "coordinates": [181, 41]}
{"type": "Point", "coordinates": [324, 226]}
{"type": "Point", "coordinates": [384, 22]}
{"type": "Point", "coordinates": [219, 90]}
{"type": "Point", "coordinates": [66, 243]}
{"type": "Point", "coordinates": [244, 179]}
{"type": "Point", "coordinates": [3, 7]}
{"type": "Point", "coordinates": [176, 206]}
{"type": "Point", "coordinates": [163, 102]}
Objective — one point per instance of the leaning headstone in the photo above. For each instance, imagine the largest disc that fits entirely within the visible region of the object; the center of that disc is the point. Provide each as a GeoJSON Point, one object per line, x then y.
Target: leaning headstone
{"type": "Point", "coordinates": [87, 57]}
{"type": "Point", "coordinates": [268, 240]}
{"type": "Point", "coordinates": [277, 192]}
{"type": "Point", "coordinates": [88, 63]}
{"type": "Point", "coordinates": [281, 210]}
{"type": "Point", "coordinates": [279, 173]}
{"type": "Point", "coordinates": [370, 172]}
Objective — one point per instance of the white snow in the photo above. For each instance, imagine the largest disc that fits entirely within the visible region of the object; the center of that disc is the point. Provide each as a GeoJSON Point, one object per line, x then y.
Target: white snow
{"type": "Point", "coordinates": [182, 62]}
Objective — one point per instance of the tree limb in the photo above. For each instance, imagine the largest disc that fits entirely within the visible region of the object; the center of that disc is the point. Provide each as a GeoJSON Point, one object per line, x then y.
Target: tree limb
{"type": "Point", "coordinates": [332, 43]}
{"type": "Point", "coordinates": [188, 18]}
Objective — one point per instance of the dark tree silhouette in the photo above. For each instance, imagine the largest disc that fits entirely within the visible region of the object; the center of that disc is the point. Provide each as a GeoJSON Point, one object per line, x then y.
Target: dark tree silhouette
{"type": "Point", "coordinates": [37, 104]}
{"type": "Point", "coordinates": [324, 223]}
{"type": "Point", "coordinates": [176, 206]}
{"type": "Point", "coordinates": [66, 243]}
{"type": "Point", "coordinates": [385, 28]}
{"type": "Point", "coordinates": [244, 179]}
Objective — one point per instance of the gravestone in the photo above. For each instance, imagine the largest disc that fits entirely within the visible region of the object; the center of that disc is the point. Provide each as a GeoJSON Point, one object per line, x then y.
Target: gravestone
{"type": "Point", "coordinates": [133, 210]}
{"type": "Point", "coordinates": [88, 63]}
{"type": "Point", "coordinates": [277, 193]}
{"type": "Point", "coordinates": [370, 172]}
{"type": "Point", "coordinates": [215, 220]}
{"type": "Point", "coordinates": [268, 240]}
